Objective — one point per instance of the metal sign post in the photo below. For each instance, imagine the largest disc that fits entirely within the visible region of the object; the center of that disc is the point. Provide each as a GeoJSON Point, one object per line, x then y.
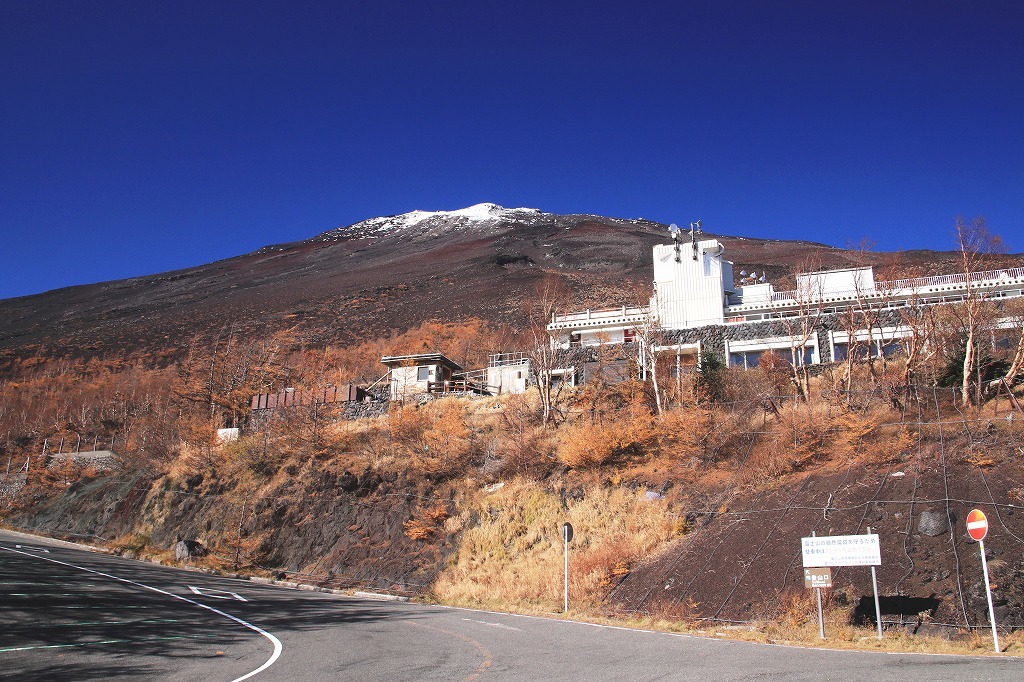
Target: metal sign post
{"type": "Point", "coordinates": [841, 550]}
{"type": "Point", "coordinates": [874, 586]}
{"type": "Point", "coordinates": [977, 527]}
{"type": "Point", "coordinates": [821, 614]}
{"type": "Point", "coordinates": [566, 537]}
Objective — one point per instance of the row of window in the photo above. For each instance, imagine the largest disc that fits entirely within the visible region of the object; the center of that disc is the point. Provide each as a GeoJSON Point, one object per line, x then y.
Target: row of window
{"type": "Point", "coordinates": [840, 352]}
{"type": "Point", "coordinates": [748, 359]}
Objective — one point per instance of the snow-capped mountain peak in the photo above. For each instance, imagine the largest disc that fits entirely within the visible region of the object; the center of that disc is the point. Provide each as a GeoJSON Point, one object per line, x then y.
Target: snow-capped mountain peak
{"type": "Point", "coordinates": [476, 216]}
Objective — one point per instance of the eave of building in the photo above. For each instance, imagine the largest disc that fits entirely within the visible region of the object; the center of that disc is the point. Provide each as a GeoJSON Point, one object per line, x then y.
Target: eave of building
{"type": "Point", "coordinates": [420, 359]}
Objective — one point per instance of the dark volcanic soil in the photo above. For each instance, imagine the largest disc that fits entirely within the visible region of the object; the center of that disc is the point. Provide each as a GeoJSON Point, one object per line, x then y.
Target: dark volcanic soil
{"type": "Point", "coordinates": [744, 556]}
{"type": "Point", "coordinates": [344, 288]}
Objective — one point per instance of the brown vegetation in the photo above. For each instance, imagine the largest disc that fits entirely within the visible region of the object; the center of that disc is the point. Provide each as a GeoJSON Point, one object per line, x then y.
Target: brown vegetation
{"type": "Point", "coordinates": [462, 498]}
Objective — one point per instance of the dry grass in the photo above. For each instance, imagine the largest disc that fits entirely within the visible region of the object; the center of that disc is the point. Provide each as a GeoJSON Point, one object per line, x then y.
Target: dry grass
{"type": "Point", "coordinates": [511, 552]}
{"type": "Point", "coordinates": [806, 433]}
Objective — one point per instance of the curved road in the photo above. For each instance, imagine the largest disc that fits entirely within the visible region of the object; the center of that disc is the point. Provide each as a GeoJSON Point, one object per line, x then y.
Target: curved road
{"type": "Point", "coordinates": [66, 613]}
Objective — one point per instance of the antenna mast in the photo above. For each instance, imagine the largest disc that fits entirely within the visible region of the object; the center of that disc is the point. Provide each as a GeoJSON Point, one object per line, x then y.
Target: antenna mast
{"type": "Point", "coordinates": [695, 232]}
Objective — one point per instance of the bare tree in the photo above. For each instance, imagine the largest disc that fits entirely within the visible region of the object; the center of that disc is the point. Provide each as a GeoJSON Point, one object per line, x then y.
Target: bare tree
{"type": "Point", "coordinates": [1015, 316]}
{"type": "Point", "coordinates": [919, 343]}
{"type": "Point", "coordinates": [650, 335]}
{"type": "Point", "coordinates": [801, 319]}
{"type": "Point", "coordinates": [545, 357]}
{"type": "Point", "coordinates": [976, 244]}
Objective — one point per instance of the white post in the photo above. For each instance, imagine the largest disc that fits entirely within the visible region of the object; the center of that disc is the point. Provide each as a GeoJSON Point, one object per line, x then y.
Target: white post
{"type": "Point", "coordinates": [821, 614]}
{"type": "Point", "coordinates": [988, 593]}
{"type": "Point", "coordinates": [874, 586]}
{"type": "Point", "coordinates": [565, 604]}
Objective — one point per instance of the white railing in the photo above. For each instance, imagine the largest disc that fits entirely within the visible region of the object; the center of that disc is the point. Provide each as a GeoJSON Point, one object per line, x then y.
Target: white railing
{"type": "Point", "coordinates": [907, 286]}
{"type": "Point", "coordinates": [506, 359]}
{"type": "Point", "coordinates": [600, 315]}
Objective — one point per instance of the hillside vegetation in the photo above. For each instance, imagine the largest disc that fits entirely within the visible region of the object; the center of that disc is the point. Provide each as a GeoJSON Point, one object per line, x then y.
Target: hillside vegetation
{"type": "Point", "coordinates": [692, 515]}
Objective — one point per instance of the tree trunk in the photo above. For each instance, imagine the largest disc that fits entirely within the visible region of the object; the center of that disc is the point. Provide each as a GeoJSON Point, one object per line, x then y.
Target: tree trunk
{"type": "Point", "coordinates": [968, 367]}
{"type": "Point", "coordinates": [654, 382]}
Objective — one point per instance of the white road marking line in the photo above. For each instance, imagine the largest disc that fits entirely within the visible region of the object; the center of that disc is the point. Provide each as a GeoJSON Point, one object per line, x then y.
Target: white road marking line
{"type": "Point", "coordinates": [102, 641]}
{"type": "Point", "coordinates": [707, 638]}
{"type": "Point", "coordinates": [92, 606]}
{"type": "Point", "coordinates": [147, 621]}
{"type": "Point", "coordinates": [216, 594]}
{"type": "Point", "coordinates": [29, 547]}
{"type": "Point", "coordinates": [278, 647]}
{"type": "Point", "coordinates": [38, 584]}
{"type": "Point", "coordinates": [43, 594]}
{"type": "Point", "coordinates": [493, 625]}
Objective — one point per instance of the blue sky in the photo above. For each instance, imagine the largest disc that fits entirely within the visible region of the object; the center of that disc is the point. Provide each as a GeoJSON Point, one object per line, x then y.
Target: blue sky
{"type": "Point", "coordinates": [139, 137]}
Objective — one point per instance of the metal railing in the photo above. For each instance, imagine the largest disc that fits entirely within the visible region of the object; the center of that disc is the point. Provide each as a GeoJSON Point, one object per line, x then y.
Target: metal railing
{"type": "Point", "coordinates": [454, 386]}
{"type": "Point", "coordinates": [601, 315]}
{"type": "Point", "coordinates": [907, 286]}
{"type": "Point", "coordinates": [507, 359]}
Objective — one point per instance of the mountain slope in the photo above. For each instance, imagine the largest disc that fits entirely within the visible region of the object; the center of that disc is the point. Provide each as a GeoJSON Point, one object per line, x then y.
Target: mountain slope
{"type": "Point", "coordinates": [371, 277]}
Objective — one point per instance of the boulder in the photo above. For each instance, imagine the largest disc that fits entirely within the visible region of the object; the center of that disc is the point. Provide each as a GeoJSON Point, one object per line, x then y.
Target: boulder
{"type": "Point", "coordinates": [186, 550]}
{"type": "Point", "coordinates": [932, 524]}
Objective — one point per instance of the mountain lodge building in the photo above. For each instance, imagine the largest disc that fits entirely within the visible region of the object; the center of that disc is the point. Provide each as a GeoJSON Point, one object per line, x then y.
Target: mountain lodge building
{"type": "Point", "coordinates": [696, 308]}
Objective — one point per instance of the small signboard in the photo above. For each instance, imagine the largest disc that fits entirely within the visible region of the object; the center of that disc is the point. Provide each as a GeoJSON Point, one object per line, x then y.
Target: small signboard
{"type": "Point", "coordinates": [817, 577]}
{"type": "Point", "coordinates": [842, 550]}
{"type": "Point", "coordinates": [567, 532]}
{"type": "Point", "coordinates": [977, 524]}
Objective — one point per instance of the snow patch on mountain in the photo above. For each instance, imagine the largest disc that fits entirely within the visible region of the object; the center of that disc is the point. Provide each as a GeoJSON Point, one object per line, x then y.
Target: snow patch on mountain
{"type": "Point", "coordinates": [471, 217]}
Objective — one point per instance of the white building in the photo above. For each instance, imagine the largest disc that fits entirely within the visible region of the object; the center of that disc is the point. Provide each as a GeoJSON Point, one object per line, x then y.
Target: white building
{"type": "Point", "coordinates": [697, 301]}
{"type": "Point", "coordinates": [422, 373]}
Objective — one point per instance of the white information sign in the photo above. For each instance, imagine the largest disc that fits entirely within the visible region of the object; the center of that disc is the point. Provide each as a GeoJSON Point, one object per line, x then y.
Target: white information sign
{"type": "Point", "coordinates": [842, 550]}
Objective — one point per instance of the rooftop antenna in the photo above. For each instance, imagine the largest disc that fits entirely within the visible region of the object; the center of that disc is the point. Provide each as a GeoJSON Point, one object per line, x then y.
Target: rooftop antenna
{"type": "Point", "coordinates": [674, 230]}
{"type": "Point", "coordinates": [695, 232]}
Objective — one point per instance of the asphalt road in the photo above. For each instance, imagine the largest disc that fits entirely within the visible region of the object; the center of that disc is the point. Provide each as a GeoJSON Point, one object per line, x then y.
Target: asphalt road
{"type": "Point", "coordinates": [66, 614]}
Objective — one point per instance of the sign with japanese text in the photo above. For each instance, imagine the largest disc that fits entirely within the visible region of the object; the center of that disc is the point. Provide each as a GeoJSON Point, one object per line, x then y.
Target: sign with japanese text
{"type": "Point", "coordinates": [817, 577]}
{"type": "Point", "coordinates": [842, 550]}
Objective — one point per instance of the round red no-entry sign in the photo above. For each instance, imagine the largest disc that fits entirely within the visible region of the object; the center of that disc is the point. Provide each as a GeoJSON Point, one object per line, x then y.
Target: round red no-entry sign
{"type": "Point", "coordinates": [977, 524]}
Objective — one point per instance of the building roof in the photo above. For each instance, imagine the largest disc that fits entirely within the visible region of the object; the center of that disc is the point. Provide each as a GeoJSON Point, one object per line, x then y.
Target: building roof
{"type": "Point", "coordinates": [418, 359]}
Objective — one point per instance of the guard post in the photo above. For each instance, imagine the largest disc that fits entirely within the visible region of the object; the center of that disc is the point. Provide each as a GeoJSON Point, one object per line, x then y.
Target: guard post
{"type": "Point", "coordinates": [567, 533]}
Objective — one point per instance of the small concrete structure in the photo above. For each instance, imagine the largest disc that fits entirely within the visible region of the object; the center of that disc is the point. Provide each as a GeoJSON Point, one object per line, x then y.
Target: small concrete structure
{"type": "Point", "coordinates": [508, 373]}
{"type": "Point", "coordinates": [101, 460]}
{"type": "Point", "coordinates": [228, 435]}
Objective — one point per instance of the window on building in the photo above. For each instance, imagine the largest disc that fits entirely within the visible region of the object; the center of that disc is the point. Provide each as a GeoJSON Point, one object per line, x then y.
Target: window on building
{"type": "Point", "coordinates": [745, 359]}
{"type": "Point", "coordinates": [422, 373]}
{"type": "Point", "coordinates": [892, 348]}
{"type": "Point", "coordinates": [629, 336]}
{"type": "Point", "coordinates": [574, 340]}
